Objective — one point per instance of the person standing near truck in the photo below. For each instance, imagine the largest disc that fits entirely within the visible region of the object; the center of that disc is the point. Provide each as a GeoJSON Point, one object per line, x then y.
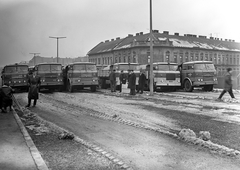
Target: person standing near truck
{"type": "Point", "coordinates": [112, 78]}
{"type": "Point", "coordinates": [132, 83]}
{"type": "Point", "coordinates": [34, 85]}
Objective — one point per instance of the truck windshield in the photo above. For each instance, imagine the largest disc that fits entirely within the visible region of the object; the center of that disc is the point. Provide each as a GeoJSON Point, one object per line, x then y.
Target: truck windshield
{"type": "Point", "coordinates": [91, 67]}
{"type": "Point", "coordinates": [165, 67]}
{"type": "Point", "coordinates": [208, 66]}
{"type": "Point", "coordinates": [16, 69]}
{"type": "Point", "coordinates": [85, 67]}
{"type": "Point", "coordinates": [49, 68]}
{"type": "Point", "coordinates": [126, 67]}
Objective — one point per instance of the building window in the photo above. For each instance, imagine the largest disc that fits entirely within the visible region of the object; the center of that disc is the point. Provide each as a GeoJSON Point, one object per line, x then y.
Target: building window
{"type": "Point", "coordinates": [206, 57]}
{"type": "Point", "coordinates": [201, 56]}
{"type": "Point", "coordinates": [99, 61]}
{"type": "Point", "coordinates": [196, 56]}
{"type": "Point", "coordinates": [210, 56]}
{"type": "Point", "coordinates": [134, 57]}
{"type": "Point", "coordinates": [219, 60]}
{"type": "Point", "coordinates": [237, 61]}
{"type": "Point", "coordinates": [186, 56]}
{"type": "Point", "coordinates": [129, 59]}
{"type": "Point", "coordinates": [119, 59]}
{"type": "Point", "coordinates": [192, 56]}
{"type": "Point", "coordinates": [167, 55]}
{"type": "Point", "coordinates": [230, 60]}
{"type": "Point", "coordinates": [116, 59]}
{"type": "Point", "coordinates": [234, 60]}
{"type": "Point", "coordinates": [181, 57]}
{"type": "Point", "coordinates": [175, 57]}
{"type": "Point", "coordinates": [226, 60]}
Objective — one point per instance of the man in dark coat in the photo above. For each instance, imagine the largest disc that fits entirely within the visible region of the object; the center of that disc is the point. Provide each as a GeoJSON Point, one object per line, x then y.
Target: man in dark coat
{"type": "Point", "coordinates": [112, 78]}
{"type": "Point", "coordinates": [122, 79]}
{"type": "Point", "coordinates": [6, 97]}
{"type": "Point", "coordinates": [141, 82]}
{"type": "Point", "coordinates": [227, 84]}
{"type": "Point", "coordinates": [132, 83]}
{"type": "Point", "coordinates": [34, 84]}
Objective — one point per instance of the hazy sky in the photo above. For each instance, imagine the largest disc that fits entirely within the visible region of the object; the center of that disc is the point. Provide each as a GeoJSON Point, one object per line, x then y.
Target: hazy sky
{"type": "Point", "coordinates": [25, 25]}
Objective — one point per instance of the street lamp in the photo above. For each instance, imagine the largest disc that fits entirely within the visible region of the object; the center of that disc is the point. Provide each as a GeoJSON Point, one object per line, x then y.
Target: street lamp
{"type": "Point", "coordinates": [151, 52]}
{"type": "Point", "coordinates": [57, 44]}
{"type": "Point", "coordinates": [34, 57]}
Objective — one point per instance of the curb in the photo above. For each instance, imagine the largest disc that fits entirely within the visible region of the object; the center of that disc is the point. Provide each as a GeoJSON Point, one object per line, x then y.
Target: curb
{"type": "Point", "coordinates": [40, 164]}
{"type": "Point", "coordinates": [89, 145]}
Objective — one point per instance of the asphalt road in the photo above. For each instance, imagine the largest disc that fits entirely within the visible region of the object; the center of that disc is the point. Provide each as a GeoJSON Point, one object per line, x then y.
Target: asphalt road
{"type": "Point", "coordinates": [86, 115]}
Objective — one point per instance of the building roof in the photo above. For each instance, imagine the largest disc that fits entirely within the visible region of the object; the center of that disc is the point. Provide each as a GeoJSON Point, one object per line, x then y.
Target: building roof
{"type": "Point", "coordinates": [165, 39]}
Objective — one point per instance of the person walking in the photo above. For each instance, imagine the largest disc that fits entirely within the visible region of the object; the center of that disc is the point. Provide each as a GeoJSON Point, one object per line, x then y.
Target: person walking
{"type": "Point", "coordinates": [227, 85]}
{"type": "Point", "coordinates": [122, 78]}
{"type": "Point", "coordinates": [141, 82]}
{"type": "Point", "coordinates": [132, 83]}
{"type": "Point", "coordinates": [6, 97]}
{"type": "Point", "coordinates": [34, 85]}
{"type": "Point", "coordinates": [112, 78]}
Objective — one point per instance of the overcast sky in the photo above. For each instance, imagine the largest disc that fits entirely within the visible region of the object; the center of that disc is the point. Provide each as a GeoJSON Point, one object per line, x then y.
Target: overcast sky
{"type": "Point", "coordinates": [25, 25]}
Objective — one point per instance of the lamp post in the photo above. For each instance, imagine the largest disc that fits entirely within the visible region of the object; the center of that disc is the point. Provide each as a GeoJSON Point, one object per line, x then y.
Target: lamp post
{"type": "Point", "coordinates": [57, 44]}
{"type": "Point", "coordinates": [34, 57]}
{"type": "Point", "coordinates": [151, 52]}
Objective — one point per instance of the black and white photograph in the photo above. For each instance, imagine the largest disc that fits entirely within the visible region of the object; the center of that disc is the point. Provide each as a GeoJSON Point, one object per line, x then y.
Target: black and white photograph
{"type": "Point", "coordinates": [119, 85]}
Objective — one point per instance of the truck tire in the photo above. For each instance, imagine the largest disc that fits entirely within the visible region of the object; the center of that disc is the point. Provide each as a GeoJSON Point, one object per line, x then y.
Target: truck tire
{"type": "Point", "coordinates": [187, 86]}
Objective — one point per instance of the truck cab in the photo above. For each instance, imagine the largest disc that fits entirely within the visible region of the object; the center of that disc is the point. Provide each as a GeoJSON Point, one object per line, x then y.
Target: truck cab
{"type": "Point", "coordinates": [198, 74]}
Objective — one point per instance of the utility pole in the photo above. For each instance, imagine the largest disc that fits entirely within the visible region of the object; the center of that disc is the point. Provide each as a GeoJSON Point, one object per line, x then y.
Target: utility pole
{"type": "Point", "coordinates": [34, 57]}
{"type": "Point", "coordinates": [57, 44]}
{"type": "Point", "coordinates": [151, 52]}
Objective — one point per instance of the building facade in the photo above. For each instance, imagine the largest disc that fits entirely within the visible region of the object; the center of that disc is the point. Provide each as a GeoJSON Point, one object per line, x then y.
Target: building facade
{"type": "Point", "coordinates": [171, 48]}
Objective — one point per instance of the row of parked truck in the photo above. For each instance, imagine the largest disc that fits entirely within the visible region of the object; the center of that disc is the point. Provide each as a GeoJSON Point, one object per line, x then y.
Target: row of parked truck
{"type": "Point", "coordinates": [79, 75]}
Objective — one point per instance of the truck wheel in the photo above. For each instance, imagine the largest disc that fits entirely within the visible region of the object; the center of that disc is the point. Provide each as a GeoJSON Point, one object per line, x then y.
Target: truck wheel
{"type": "Point", "coordinates": [187, 86]}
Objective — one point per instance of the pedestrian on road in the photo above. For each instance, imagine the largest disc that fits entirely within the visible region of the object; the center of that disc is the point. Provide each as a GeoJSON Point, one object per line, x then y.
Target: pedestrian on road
{"type": "Point", "coordinates": [34, 85]}
{"type": "Point", "coordinates": [227, 84]}
{"type": "Point", "coordinates": [132, 83]}
{"type": "Point", "coordinates": [141, 82]}
{"type": "Point", "coordinates": [6, 97]}
{"type": "Point", "coordinates": [112, 78]}
{"type": "Point", "coordinates": [123, 80]}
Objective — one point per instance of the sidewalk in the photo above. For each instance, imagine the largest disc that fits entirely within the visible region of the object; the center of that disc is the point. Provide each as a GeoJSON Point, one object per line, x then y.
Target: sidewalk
{"type": "Point", "coordinates": [17, 151]}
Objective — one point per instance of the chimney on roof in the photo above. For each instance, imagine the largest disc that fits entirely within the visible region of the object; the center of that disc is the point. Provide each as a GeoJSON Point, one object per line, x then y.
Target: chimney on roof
{"type": "Point", "coordinates": [176, 33]}
{"type": "Point", "coordinates": [165, 32]}
{"type": "Point", "coordinates": [112, 39]}
{"type": "Point", "coordinates": [230, 40]}
{"type": "Point", "coordinates": [137, 34]}
{"type": "Point", "coordinates": [226, 39]}
{"type": "Point", "coordinates": [155, 31]}
{"type": "Point", "coordinates": [201, 36]}
{"type": "Point", "coordinates": [130, 35]}
{"type": "Point", "coordinates": [107, 41]}
{"type": "Point", "coordinates": [212, 38]}
{"type": "Point", "coordinates": [233, 40]}
{"type": "Point", "coordinates": [118, 38]}
{"type": "Point", "coordinates": [141, 33]}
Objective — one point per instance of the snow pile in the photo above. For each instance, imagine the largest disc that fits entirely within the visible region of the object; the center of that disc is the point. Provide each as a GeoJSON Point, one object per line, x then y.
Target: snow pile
{"type": "Point", "coordinates": [204, 140]}
{"type": "Point", "coordinates": [66, 135]}
{"type": "Point", "coordinates": [204, 135]}
{"type": "Point", "coordinates": [187, 134]}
